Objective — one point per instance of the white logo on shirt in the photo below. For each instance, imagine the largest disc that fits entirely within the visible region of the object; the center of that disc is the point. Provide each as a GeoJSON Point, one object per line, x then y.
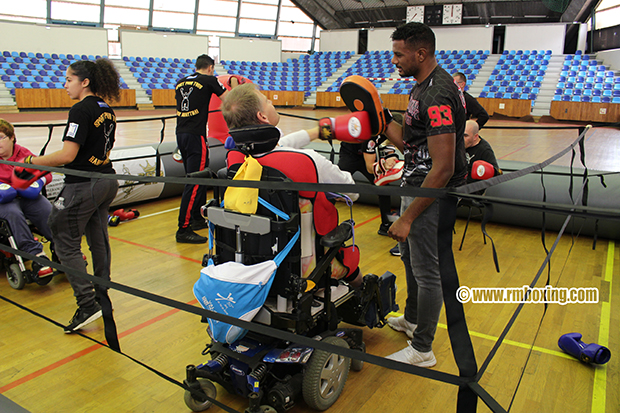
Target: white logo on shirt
{"type": "Point", "coordinates": [72, 131]}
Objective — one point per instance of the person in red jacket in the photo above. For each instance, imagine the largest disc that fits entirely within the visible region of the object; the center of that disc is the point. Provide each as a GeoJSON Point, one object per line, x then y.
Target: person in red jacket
{"type": "Point", "coordinates": [18, 205]}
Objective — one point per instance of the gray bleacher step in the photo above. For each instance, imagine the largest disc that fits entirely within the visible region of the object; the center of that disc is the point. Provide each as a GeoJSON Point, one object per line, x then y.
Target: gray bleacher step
{"type": "Point", "coordinates": [142, 98]}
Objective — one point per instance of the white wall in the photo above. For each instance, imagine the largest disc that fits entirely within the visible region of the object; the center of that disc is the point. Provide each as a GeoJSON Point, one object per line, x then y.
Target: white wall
{"type": "Point", "coordinates": [610, 58]}
{"type": "Point", "coordinates": [29, 37]}
{"type": "Point", "coordinates": [339, 40]}
{"type": "Point", "coordinates": [536, 37]}
{"type": "Point", "coordinates": [379, 39]}
{"type": "Point", "coordinates": [463, 38]}
{"type": "Point", "coordinates": [447, 38]}
{"type": "Point", "coordinates": [244, 49]}
{"type": "Point", "coordinates": [159, 44]}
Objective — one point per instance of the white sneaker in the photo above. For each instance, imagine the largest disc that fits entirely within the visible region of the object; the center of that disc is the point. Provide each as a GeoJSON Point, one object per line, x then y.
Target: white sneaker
{"type": "Point", "coordinates": [412, 356]}
{"type": "Point", "coordinates": [400, 324]}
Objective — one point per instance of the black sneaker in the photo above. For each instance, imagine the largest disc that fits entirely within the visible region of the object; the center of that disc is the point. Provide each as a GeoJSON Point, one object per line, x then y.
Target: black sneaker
{"type": "Point", "coordinates": [383, 229]}
{"type": "Point", "coordinates": [187, 236]}
{"type": "Point", "coordinates": [395, 251]}
{"type": "Point", "coordinates": [198, 225]}
{"type": "Point", "coordinates": [82, 317]}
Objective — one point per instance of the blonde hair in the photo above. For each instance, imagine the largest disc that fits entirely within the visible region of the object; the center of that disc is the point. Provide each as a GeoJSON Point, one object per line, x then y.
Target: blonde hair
{"type": "Point", "coordinates": [241, 105]}
{"type": "Point", "coordinates": [7, 128]}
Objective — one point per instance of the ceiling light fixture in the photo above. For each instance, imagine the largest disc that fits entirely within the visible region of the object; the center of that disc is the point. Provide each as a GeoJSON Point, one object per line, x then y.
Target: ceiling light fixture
{"type": "Point", "coordinates": [364, 22]}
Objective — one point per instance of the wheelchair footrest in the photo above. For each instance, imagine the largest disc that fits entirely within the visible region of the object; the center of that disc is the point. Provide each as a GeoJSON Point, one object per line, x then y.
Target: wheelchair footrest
{"type": "Point", "coordinates": [338, 235]}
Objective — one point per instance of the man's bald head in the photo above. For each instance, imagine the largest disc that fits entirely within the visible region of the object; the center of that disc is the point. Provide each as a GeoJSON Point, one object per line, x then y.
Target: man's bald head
{"type": "Point", "coordinates": [471, 136]}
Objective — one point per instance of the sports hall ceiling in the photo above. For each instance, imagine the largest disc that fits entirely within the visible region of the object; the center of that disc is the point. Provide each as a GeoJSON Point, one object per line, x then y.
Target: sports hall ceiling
{"type": "Point", "coordinates": [349, 14]}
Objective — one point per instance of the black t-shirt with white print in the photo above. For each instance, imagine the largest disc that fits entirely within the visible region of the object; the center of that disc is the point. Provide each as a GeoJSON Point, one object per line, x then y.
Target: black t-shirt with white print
{"type": "Point", "coordinates": [92, 125]}
{"type": "Point", "coordinates": [436, 106]}
{"type": "Point", "coordinates": [193, 94]}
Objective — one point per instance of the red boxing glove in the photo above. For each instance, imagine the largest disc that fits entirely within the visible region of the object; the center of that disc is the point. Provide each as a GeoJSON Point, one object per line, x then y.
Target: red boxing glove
{"type": "Point", "coordinates": [482, 170]}
{"type": "Point", "coordinates": [352, 128]}
{"type": "Point", "coordinates": [384, 176]}
{"type": "Point", "coordinates": [126, 215]}
{"type": "Point", "coordinates": [23, 177]}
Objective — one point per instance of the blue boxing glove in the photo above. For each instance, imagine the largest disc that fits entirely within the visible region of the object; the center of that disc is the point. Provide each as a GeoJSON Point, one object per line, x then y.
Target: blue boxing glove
{"type": "Point", "coordinates": [7, 193]}
{"type": "Point", "coordinates": [588, 353]}
{"type": "Point", "coordinates": [33, 190]}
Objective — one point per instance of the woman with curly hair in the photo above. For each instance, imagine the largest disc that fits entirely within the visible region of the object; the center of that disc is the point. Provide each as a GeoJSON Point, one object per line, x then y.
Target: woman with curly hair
{"type": "Point", "coordinates": [81, 207]}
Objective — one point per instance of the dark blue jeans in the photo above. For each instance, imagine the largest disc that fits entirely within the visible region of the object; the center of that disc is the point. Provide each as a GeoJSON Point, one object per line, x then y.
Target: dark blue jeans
{"type": "Point", "coordinates": [424, 294]}
{"type": "Point", "coordinates": [36, 210]}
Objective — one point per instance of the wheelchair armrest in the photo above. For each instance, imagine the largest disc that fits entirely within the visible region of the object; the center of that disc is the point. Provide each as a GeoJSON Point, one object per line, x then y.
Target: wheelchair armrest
{"type": "Point", "coordinates": [338, 235]}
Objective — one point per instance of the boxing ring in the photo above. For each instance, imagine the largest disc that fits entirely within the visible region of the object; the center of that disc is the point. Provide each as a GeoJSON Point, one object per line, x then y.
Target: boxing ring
{"type": "Point", "coordinates": [545, 197]}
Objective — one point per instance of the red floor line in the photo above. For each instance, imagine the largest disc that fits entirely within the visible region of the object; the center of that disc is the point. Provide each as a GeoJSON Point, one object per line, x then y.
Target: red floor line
{"type": "Point", "coordinates": [92, 348]}
{"type": "Point", "coordinates": [515, 151]}
{"type": "Point", "coordinates": [367, 221]}
{"type": "Point", "coordinates": [155, 249]}
{"type": "Point", "coordinates": [86, 351]}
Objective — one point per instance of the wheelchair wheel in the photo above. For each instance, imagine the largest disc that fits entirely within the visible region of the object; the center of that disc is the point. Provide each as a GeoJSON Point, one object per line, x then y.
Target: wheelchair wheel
{"type": "Point", "coordinates": [15, 277]}
{"type": "Point", "coordinates": [356, 365]}
{"type": "Point", "coordinates": [325, 376]}
{"type": "Point", "coordinates": [197, 406]}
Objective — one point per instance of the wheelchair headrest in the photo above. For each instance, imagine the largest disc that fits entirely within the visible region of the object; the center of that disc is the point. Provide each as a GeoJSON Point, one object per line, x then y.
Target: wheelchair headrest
{"type": "Point", "coordinates": [256, 139]}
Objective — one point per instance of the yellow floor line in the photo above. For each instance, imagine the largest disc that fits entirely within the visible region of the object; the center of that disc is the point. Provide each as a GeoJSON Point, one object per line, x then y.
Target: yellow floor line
{"type": "Point", "coordinates": [599, 390]}
{"type": "Point", "coordinates": [508, 342]}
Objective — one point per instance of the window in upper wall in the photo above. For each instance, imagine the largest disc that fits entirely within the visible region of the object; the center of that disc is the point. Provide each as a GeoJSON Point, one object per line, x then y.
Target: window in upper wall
{"type": "Point", "coordinates": [272, 2]}
{"type": "Point", "coordinates": [74, 11]}
{"type": "Point", "coordinates": [607, 18]}
{"type": "Point", "coordinates": [134, 4]}
{"type": "Point", "coordinates": [292, 12]}
{"type": "Point", "coordinates": [173, 20]}
{"type": "Point", "coordinates": [607, 14]}
{"type": "Point", "coordinates": [259, 11]}
{"type": "Point", "coordinates": [23, 19]}
{"type": "Point", "coordinates": [23, 10]}
{"type": "Point", "coordinates": [218, 7]}
{"type": "Point", "coordinates": [262, 27]}
{"type": "Point", "coordinates": [187, 6]}
{"type": "Point", "coordinates": [216, 23]}
{"type": "Point", "coordinates": [606, 4]}
{"type": "Point", "coordinates": [288, 28]}
{"type": "Point", "coordinates": [126, 16]}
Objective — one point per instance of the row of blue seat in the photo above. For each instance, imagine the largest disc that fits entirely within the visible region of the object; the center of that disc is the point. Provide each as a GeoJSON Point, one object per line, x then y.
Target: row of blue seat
{"type": "Point", "coordinates": [595, 99]}
{"type": "Point", "coordinates": [588, 92]}
{"type": "Point", "coordinates": [30, 56]}
{"type": "Point", "coordinates": [526, 52]}
{"type": "Point", "coordinates": [40, 85]}
{"type": "Point", "coordinates": [158, 59]}
{"type": "Point", "coordinates": [507, 95]}
{"type": "Point", "coordinates": [588, 85]}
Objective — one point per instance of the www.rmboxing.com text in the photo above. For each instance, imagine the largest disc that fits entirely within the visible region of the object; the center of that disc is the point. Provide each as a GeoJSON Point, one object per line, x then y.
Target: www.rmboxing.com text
{"type": "Point", "coordinates": [528, 295]}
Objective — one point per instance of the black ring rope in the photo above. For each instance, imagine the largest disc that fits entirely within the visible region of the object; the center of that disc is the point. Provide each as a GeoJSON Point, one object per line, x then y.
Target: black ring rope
{"type": "Point", "coordinates": [469, 382]}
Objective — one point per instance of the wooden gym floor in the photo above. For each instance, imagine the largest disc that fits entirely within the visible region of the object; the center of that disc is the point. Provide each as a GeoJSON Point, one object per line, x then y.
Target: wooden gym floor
{"type": "Point", "coordinates": [44, 370]}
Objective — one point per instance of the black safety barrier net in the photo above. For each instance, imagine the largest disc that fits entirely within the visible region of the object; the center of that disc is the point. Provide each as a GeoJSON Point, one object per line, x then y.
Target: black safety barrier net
{"type": "Point", "coordinates": [468, 379]}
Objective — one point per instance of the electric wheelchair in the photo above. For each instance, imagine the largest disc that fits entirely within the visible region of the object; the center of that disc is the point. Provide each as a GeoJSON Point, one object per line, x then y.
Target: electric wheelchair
{"type": "Point", "coordinates": [270, 372]}
{"type": "Point", "coordinates": [17, 272]}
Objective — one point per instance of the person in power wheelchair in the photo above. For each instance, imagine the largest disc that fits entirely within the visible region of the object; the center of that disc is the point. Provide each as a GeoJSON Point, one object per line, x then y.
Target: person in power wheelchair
{"type": "Point", "coordinates": [16, 208]}
{"type": "Point", "coordinates": [270, 371]}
